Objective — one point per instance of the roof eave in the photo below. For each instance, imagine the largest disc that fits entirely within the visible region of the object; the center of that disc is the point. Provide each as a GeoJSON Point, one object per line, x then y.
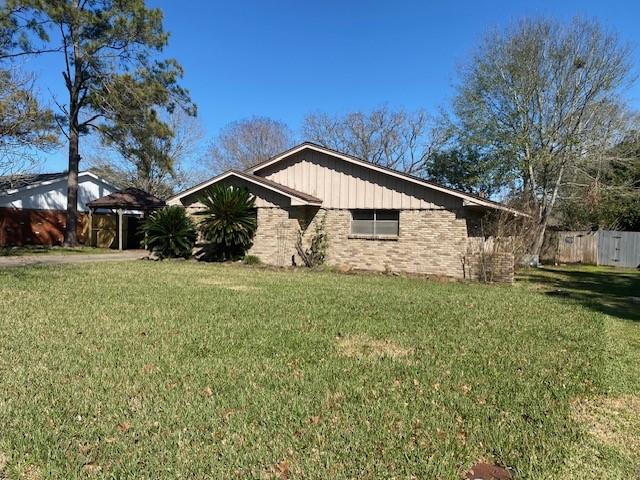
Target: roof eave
{"type": "Point", "coordinates": [88, 173]}
{"type": "Point", "coordinates": [495, 206]}
{"type": "Point", "coordinates": [295, 200]}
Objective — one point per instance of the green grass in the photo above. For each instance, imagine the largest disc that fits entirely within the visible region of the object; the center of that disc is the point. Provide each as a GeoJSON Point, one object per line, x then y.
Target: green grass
{"type": "Point", "coordinates": [610, 290]}
{"type": "Point", "coordinates": [43, 250]}
{"type": "Point", "coordinates": [185, 370]}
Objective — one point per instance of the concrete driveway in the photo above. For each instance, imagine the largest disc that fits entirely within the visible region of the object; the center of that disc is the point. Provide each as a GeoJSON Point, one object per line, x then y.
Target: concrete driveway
{"type": "Point", "coordinates": [70, 259]}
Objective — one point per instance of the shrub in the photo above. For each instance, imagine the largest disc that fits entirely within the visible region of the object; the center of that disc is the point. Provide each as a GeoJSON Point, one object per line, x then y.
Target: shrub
{"type": "Point", "coordinates": [314, 256]}
{"type": "Point", "coordinates": [228, 221]}
{"type": "Point", "coordinates": [252, 260]}
{"type": "Point", "coordinates": [170, 232]}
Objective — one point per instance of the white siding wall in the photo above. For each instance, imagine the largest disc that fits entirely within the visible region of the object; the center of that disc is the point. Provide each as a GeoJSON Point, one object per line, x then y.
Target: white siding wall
{"type": "Point", "coordinates": [341, 184]}
{"type": "Point", "coordinates": [54, 195]}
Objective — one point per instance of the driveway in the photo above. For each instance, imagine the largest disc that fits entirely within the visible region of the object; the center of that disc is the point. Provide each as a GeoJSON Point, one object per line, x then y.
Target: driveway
{"type": "Point", "coordinates": [70, 259]}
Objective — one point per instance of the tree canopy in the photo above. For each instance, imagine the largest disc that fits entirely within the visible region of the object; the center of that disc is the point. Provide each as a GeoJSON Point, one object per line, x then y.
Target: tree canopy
{"type": "Point", "coordinates": [110, 70]}
{"type": "Point", "coordinates": [543, 96]}
{"type": "Point", "coordinates": [151, 156]}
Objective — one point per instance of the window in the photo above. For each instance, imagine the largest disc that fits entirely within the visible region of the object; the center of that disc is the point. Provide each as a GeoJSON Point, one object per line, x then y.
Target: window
{"type": "Point", "coordinates": [375, 222]}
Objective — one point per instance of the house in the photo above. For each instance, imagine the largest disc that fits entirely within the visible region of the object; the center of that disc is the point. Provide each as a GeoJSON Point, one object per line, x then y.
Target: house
{"type": "Point", "coordinates": [33, 206]}
{"type": "Point", "coordinates": [375, 218]}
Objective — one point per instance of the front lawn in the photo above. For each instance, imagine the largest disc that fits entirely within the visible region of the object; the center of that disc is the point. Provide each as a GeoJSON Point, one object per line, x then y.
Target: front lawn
{"type": "Point", "coordinates": [185, 370]}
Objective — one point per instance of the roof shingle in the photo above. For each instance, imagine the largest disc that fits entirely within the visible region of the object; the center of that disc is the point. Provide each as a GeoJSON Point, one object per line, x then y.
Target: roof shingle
{"type": "Point", "coordinates": [132, 198]}
{"type": "Point", "coordinates": [11, 182]}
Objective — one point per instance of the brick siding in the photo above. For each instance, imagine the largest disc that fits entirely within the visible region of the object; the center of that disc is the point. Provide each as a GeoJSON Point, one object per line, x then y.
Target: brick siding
{"type": "Point", "coordinates": [430, 242]}
{"type": "Point", "coordinates": [493, 267]}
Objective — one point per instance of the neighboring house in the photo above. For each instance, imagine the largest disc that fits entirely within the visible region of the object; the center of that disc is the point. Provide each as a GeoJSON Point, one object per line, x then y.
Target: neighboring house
{"type": "Point", "coordinates": [375, 218]}
{"type": "Point", "coordinates": [33, 207]}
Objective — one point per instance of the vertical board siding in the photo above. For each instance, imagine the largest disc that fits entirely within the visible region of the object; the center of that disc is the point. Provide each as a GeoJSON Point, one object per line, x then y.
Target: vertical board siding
{"type": "Point", "coordinates": [342, 184]}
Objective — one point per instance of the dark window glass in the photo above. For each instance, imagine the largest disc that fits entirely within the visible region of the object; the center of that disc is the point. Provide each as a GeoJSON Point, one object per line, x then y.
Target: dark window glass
{"type": "Point", "coordinates": [362, 215]}
{"type": "Point", "coordinates": [375, 222]}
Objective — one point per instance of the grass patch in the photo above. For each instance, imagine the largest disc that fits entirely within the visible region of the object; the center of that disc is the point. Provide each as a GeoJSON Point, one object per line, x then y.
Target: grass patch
{"type": "Point", "coordinates": [361, 346]}
{"type": "Point", "coordinates": [161, 369]}
{"type": "Point", "coordinates": [42, 250]}
{"type": "Point", "coordinates": [251, 260]}
{"type": "Point", "coordinates": [609, 290]}
{"type": "Point", "coordinates": [614, 421]}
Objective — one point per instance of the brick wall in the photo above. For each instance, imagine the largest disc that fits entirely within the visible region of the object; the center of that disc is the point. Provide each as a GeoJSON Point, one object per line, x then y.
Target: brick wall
{"type": "Point", "coordinates": [490, 259]}
{"type": "Point", "coordinates": [275, 239]}
{"type": "Point", "coordinates": [491, 267]}
{"type": "Point", "coordinates": [431, 242]}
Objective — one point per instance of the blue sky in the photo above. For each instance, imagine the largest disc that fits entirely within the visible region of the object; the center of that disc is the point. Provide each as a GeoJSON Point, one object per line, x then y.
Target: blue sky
{"type": "Point", "coordinates": [283, 59]}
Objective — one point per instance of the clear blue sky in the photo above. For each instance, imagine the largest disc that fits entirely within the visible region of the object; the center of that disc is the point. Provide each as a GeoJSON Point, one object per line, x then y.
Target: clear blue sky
{"type": "Point", "coordinates": [283, 59]}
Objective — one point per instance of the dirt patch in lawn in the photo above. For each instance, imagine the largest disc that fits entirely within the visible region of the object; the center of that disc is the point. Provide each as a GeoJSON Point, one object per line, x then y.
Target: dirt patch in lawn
{"type": "Point", "coordinates": [31, 473]}
{"type": "Point", "coordinates": [362, 346]}
{"type": "Point", "coordinates": [485, 471]}
{"type": "Point", "coordinates": [614, 421]}
{"type": "Point", "coordinates": [222, 284]}
{"type": "Point", "coordinates": [611, 448]}
{"type": "Point", "coordinates": [239, 288]}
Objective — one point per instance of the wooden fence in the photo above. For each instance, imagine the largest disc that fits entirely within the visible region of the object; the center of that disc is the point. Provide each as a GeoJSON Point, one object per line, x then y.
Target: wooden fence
{"type": "Point", "coordinates": [36, 227]}
{"type": "Point", "coordinates": [603, 247]}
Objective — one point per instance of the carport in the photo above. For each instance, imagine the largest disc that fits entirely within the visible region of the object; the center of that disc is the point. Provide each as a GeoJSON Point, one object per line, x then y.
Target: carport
{"type": "Point", "coordinates": [120, 214]}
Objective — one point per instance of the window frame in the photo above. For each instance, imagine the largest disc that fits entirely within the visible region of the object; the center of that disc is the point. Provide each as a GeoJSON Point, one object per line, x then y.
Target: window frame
{"type": "Point", "coordinates": [375, 222]}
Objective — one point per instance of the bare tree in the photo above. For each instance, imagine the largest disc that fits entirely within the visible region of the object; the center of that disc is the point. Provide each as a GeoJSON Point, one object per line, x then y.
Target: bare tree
{"type": "Point", "coordinates": [604, 190]}
{"type": "Point", "coordinates": [25, 127]}
{"type": "Point", "coordinates": [161, 168]}
{"type": "Point", "coordinates": [536, 94]}
{"type": "Point", "coordinates": [396, 139]}
{"type": "Point", "coordinates": [246, 142]}
{"type": "Point", "coordinates": [610, 146]}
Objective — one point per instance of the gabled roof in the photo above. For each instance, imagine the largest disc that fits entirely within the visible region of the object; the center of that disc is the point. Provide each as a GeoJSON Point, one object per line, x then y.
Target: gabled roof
{"type": "Point", "coordinates": [131, 198]}
{"type": "Point", "coordinates": [17, 183]}
{"type": "Point", "coordinates": [467, 197]}
{"type": "Point", "coordinates": [297, 197]}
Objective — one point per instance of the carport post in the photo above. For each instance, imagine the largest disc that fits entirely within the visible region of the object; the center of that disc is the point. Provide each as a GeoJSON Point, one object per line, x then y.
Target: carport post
{"type": "Point", "coordinates": [120, 229]}
{"type": "Point", "coordinates": [90, 227]}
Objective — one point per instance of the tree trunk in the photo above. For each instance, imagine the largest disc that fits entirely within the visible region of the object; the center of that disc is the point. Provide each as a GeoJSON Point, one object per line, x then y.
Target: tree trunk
{"type": "Point", "coordinates": [545, 212]}
{"type": "Point", "coordinates": [539, 239]}
{"type": "Point", "coordinates": [70, 233]}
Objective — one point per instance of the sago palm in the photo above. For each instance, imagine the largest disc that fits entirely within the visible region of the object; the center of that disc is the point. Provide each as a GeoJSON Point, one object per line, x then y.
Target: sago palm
{"type": "Point", "coordinates": [170, 232]}
{"type": "Point", "coordinates": [228, 220]}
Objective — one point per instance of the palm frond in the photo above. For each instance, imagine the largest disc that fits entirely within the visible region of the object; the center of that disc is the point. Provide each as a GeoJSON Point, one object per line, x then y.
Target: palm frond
{"type": "Point", "coordinates": [170, 232]}
{"type": "Point", "coordinates": [228, 220]}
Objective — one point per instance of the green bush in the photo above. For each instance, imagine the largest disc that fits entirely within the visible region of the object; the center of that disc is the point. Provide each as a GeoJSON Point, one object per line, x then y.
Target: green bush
{"type": "Point", "coordinates": [252, 260]}
{"type": "Point", "coordinates": [170, 232]}
{"type": "Point", "coordinates": [228, 222]}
